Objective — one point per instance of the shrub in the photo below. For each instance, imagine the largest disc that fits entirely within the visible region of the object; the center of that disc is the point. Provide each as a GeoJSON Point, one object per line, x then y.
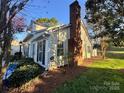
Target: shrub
{"type": "Point", "coordinates": [24, 72]}
{"type": "Point", "coordinates": [12, 58]}
{"type": "Point", "coordinates": [27, 60]}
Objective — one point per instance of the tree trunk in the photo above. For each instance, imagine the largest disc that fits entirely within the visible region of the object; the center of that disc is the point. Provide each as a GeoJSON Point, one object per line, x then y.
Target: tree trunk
{"type": "Point", "coordinates": [3, 20]}
{"type": "Point", "coordinates": [6, 47]}
{"type": "Point", "coordinates": [104, 52]}
{"type": "Point", "coordinates": [6, 16]}
{"type": "Point", "coordinates": [104, 46]}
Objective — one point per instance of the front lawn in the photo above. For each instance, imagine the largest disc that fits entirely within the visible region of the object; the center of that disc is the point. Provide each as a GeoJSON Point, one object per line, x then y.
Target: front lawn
{"type": "Point", "coordinates": [101, 77]}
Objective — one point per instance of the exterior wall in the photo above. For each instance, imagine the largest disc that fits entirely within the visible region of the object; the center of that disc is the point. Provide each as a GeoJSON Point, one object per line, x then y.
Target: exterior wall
{"type": "Point", "coordinates": [26, 49]}
{"type": "Point", "coordinates": [63, 36]}
{"type": "Point", "coordinates": [87, 45]}
{"type": "Point", "coordinates": [47, 54]}
{"type": "Point", "coordinates": [51, 47]}
{"type": "Point", "coordinates": [15, 47]}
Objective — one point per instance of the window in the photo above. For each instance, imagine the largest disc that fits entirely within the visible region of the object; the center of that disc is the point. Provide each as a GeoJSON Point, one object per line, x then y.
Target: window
{"type": "Point", "coordinates": [60, 49]}
{"type": "Point", "coordinates": [33, 50]}
{"type": "Point", "coordinates": [41, 52]}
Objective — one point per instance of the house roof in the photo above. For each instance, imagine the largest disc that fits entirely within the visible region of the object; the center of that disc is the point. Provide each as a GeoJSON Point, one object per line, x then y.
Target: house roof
{"type": "Point", "coordinates": [42, 35]}
{"type": "Point", "coordinates": [29, 36]}
{"type": "Point", "coordinates": [39, 34]}
{"type": "Point", "coordinates": [59, 27]}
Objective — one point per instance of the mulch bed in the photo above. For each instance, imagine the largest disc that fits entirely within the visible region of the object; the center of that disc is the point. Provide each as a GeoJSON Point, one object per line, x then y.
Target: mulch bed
{"type": "Point", "coordinates": [52, 79]}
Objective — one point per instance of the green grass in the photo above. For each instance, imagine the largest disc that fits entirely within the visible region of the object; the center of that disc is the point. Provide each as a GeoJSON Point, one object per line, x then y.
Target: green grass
{"type": "Point", "coordinates": [116, 52]}
{"type": "Point", "coordinates": [115, 55]}
{"type": "Point", "coordinates": [109, 64]}
{"type": "Point", "coordinates": [102, 76]}
{"type": "Point", "coordinates": [116, 49]}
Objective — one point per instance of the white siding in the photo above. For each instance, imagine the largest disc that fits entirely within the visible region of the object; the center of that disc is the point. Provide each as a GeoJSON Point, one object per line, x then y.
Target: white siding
{"type": "Point", "coordinates": [62, 35]}
{"type": "Point", "coordinates": [86, 43]}
{"type": "Point", "coordinates": [47, 54]}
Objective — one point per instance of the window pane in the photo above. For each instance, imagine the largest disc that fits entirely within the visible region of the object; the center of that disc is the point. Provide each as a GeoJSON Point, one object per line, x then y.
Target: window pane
{"type": "Point", "coordinates": [41, 51]}
{"type": "Point", "coordinates": [60, 50]}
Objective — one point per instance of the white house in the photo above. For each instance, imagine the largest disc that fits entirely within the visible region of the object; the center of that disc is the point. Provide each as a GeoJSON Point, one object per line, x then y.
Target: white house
{"type": "Point", "coordinates": [48, 46]}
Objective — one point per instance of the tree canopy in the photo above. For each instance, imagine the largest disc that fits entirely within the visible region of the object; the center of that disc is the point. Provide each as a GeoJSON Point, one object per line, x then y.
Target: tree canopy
{"type": "Point", "coordinates": [51, 21]}
{"type": "Point", "coordinates": [107, 19]}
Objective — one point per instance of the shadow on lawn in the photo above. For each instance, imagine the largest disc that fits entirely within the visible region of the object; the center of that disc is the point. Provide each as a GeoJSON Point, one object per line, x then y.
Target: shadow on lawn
{"type": "Point", "coordinates": [85, 80]}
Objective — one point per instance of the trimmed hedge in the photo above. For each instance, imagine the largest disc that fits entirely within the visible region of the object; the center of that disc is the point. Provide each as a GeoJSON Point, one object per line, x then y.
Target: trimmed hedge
{"type": "Point", "coordinates": [25, 71]}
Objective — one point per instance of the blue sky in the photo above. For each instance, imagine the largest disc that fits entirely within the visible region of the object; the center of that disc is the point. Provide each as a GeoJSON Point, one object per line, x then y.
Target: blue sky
{"type": "Point", "coordinates": [49, 8]}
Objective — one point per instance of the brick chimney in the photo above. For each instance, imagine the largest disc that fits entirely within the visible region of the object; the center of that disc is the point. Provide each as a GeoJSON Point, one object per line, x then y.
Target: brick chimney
{"type": "Point", "coordinates": [75, 42]}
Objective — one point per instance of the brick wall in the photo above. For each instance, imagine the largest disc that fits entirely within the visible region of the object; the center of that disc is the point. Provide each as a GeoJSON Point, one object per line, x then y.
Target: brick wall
{"type": "Point", "coordinates": [75, 42]}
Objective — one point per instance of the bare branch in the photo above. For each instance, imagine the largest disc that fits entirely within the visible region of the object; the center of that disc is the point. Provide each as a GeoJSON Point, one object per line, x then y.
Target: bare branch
{"type": "Point", "coordinates": [15, 10]}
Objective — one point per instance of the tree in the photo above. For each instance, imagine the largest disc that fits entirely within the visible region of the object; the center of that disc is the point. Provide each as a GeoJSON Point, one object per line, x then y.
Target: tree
{"type": "Point", "coordinates": [8, 10]}
{"type": "Point", "coordinates": [51, 21]}
{"type": "Point", "coordinates": [107, 20]}
{"type": "Point", "coordinates": [18, 23]}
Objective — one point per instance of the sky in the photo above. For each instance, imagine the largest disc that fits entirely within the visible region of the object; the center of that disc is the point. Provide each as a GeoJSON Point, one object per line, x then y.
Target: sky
{"type": "Point", "coordinates": [48, 9]}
